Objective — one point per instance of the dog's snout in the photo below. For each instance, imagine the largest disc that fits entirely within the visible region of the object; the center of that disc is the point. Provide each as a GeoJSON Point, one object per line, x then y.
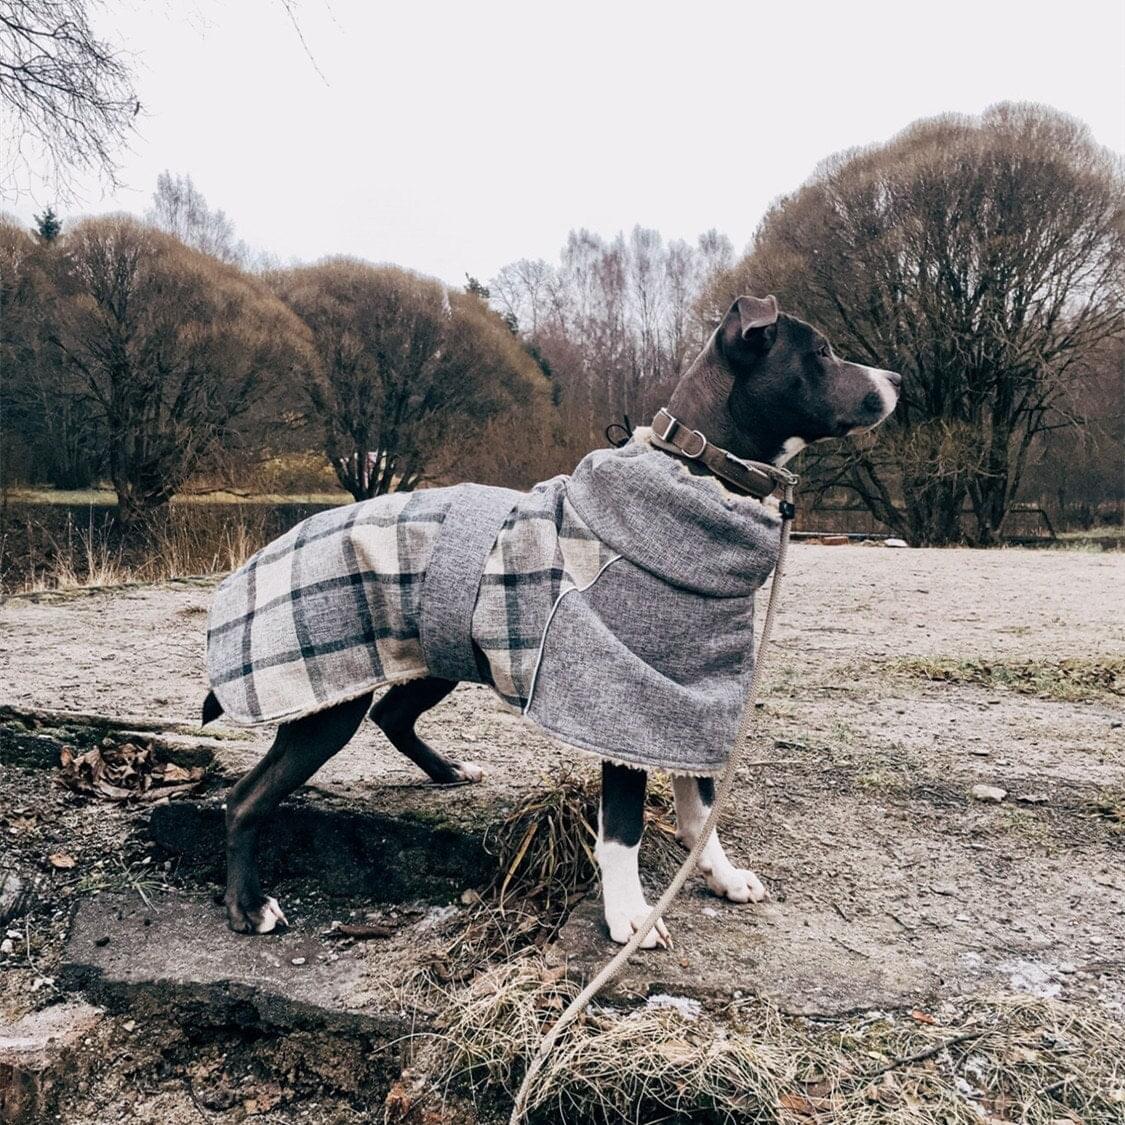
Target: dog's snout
{"type": "Point", "coordinates": [894, 378]}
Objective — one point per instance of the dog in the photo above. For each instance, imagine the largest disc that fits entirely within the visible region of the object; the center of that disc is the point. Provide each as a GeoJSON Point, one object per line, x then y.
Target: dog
{"type": "Point", "coordinates": [766, 385]}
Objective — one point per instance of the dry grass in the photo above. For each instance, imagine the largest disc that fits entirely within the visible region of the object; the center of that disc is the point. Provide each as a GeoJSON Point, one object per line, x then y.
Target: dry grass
{"type": "Point", "coordinates": [494, 994]}
{"type": "Point", "coordinates": [106, 498]}
{"type": "Point", "coordinates": [1110, 805]}
{"type": "Point", "coordinates": [1102, 531]}
{"type": "Point", "coordinates": [177, 544]}
{"type": "Point", "coordinates": [545, 864]}
{"type": "Point", "coordinates": [1002, 1060]}
{"type": "Point", "coordinates": [1070, 680]}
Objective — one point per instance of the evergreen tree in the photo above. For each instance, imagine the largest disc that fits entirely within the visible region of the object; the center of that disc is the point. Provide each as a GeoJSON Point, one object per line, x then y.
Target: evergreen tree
{"type": "Point", "coordinates": [48, 225]}
{"type": "Point", "coordinates": [474, 286]}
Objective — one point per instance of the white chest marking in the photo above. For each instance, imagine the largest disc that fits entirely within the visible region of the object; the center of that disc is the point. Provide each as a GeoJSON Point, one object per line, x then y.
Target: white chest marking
{"type": "Point", "coordinates": [789, 449]}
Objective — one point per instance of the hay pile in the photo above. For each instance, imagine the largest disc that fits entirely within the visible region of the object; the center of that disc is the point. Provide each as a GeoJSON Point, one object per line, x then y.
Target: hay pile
{"type": "Point", "coordinates": [545, 865]}
{"type": "Point", "coordinates": [993, 1060]}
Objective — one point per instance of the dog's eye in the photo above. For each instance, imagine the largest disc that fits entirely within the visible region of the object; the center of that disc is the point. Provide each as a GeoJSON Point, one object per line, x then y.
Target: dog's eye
{"type": "Point", "coordinates": [824, 351]}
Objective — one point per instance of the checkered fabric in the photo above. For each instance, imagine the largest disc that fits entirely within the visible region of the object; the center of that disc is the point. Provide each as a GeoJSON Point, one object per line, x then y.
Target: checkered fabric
{"type": "Point", "coordinates": [613, 607]}
{"type": "Point", "coordinates": [333, 609]}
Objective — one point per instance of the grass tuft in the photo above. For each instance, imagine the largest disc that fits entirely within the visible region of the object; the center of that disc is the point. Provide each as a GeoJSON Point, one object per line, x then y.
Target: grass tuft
{"type": "Point", "coordinates": [545, 865]}
{"type": "Point", "coordinates": [1070, 680]}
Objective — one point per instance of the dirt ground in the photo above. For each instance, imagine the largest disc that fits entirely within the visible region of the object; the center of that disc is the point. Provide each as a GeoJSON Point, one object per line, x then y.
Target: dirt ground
{"type": "Point", "coordinates": [891, 884]}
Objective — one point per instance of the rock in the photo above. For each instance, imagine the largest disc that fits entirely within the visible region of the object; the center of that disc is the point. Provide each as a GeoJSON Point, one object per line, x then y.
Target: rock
{"type": "Point", "coordinates": [7, 946]}
{"type": "Point", "coordinates": [37, 1059]}
{"type": "Point", "coordinates": [991, 793]}
{"type": "Point", "coordinates": [895, 543]}
{"type": "Point", "coordinates": [833, 540]}
{"type": "Point", "coordinates": [980, 751]}
{"type": "Point", "coordinates": [1032, 798]}
{"type": "Point", "coordinates": [12, 896]}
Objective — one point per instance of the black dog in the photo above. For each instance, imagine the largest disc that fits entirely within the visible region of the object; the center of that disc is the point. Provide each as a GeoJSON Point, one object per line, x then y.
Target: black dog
{"type": "Point", "coordinates": [765, 386]}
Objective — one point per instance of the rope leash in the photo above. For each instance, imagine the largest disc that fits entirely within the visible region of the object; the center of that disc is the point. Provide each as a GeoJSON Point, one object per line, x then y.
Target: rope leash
{"type": "Point", "coordinates": [741, 743]}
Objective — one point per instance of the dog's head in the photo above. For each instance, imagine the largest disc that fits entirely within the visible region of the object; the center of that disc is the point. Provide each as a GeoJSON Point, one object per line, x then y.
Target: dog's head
{"type": "Point", "coordinates": [784, 385]}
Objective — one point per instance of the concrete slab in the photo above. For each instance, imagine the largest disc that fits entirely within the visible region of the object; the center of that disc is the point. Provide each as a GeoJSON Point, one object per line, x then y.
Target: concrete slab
{"type": "Point", "coordinates": [178, 957]}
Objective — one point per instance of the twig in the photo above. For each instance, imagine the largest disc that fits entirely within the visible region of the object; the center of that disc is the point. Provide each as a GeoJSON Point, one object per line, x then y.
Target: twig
{"type": "Point", "coordinates": [918, 1056]}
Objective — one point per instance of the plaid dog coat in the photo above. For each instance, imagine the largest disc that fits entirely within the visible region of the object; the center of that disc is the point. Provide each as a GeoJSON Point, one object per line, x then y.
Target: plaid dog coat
{"type": "Point", "coordinates": [613, 607]}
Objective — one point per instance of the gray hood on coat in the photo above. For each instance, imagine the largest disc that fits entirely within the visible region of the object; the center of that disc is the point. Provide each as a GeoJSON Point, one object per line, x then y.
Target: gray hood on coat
{"type": "Point", "coordinates": [688, 530]}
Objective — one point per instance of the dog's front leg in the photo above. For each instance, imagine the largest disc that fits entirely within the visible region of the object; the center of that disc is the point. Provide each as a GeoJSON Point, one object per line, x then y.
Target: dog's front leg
{"type": "Point", "coordinates": [621, 822]}
{"type": "Point", "coordinates": [694, 798]}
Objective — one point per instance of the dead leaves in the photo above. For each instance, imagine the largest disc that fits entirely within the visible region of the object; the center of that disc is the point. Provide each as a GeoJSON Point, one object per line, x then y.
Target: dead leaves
{"type": "Point", "coordinates": [362, 930]}
{"type": "Point", "coordinates": [125, 772]}
{"type": "Point", "coordinates": [61, 861]}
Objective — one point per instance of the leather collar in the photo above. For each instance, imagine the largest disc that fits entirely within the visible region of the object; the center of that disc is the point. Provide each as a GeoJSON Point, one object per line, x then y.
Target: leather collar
{"type": "Point", "coordinates": [752, 478]}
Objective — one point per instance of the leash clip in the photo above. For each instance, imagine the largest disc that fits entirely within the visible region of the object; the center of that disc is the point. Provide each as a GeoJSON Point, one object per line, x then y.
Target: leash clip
{"type": "Point", "coordinates": [784, 476]}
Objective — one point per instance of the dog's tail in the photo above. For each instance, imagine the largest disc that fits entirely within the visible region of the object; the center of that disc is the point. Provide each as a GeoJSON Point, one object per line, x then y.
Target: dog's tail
{"type": "Point", "coordinates": [212, 709]}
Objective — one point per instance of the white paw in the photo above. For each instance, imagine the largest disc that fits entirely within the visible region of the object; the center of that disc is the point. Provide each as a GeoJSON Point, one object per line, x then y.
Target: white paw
{"type": "Point", "coordinates": [623, 927]}
{"type": "Point", "coordinates": [271, 914]}
{"type": "Point", "coordinates": [737, 884]}
{"type": "Point", "coordinates": [469, 771]}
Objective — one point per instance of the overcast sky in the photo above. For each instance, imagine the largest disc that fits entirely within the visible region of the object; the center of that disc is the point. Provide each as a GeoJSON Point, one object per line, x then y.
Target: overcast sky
{"type": "Point", "coordinates": [454, 137]}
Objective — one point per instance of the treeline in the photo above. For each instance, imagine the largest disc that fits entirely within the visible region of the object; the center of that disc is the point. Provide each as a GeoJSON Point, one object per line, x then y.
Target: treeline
{"type": "Point", "coordinates": [130, 355]}
{"type": "Point", "coordinates": [981, 257]}
{"type": "Point", "coordinates": [984, 258]}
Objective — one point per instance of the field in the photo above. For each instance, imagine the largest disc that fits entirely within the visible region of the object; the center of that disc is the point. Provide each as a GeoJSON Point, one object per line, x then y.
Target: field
{"type": "Point", "coordinates": [927, 955]}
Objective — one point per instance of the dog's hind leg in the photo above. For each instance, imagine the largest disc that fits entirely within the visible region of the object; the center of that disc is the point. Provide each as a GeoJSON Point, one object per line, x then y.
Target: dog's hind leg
{"type": "Point", "coordinates": [397, 712]}
{"type": "Point", "coordinates": [299, 750]}
{"type": "Point", "coordinates": [621, 823]}
{"type": "Point", "coordinates": [694, 798]}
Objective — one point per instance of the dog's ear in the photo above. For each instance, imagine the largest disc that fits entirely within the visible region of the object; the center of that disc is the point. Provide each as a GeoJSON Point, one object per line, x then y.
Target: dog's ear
{"type": "Point", "coordinates": [751, 324]}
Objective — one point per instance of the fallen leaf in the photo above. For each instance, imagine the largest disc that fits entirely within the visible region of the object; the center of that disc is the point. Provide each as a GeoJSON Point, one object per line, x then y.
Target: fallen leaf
{"type": "Point", "coordinates": [361, 930]}
{"type": "Point", "coordinates": [922, 1017]}
{"type": "Point", "coordinates": [797, 1103]}
{"type": "Point", "coordinates": [61, 860]}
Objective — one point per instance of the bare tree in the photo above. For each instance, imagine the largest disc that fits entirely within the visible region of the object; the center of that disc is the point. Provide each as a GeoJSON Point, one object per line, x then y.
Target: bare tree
{"type": "Point", "coordinates": [44, 411]}
{"type": "Point", "coordinates": [407, 371]}
{"type": "Point", "coordinates": [982, 259]}
{"type": "Point", "coordinates": [615, 319]}
{"type": "Point", "coordinates": [180, 209]}
{"type": "Point", "coordinates": [66, 96]}
{"type": "Point", "coordinates": [174, 349]}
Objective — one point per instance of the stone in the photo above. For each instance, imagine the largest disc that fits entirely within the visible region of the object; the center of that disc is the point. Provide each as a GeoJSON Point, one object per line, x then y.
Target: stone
{"type": "Point", "coordinates": [895, 543]}
{"type": "Point", "coordinates": [12, 895]}
{"type": "Point", "coordinates": [989, 793]}
{"type": "Point", "coordinates": [37, 1059]}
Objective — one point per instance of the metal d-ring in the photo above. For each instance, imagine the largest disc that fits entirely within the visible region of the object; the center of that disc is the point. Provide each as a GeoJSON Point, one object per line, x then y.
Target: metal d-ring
{"type": "Point", "coordinates": [699, 453]}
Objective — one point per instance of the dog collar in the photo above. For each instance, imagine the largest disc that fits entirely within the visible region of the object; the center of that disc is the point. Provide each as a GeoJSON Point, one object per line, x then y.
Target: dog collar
{"type": "Point", "coordinates": [753, 478]}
